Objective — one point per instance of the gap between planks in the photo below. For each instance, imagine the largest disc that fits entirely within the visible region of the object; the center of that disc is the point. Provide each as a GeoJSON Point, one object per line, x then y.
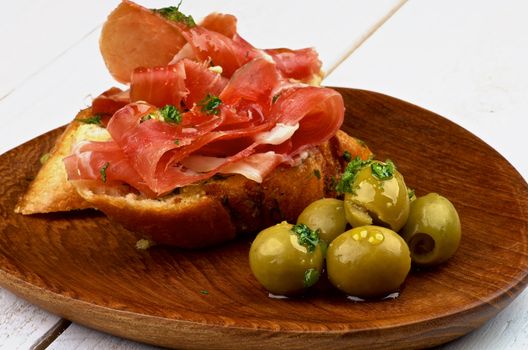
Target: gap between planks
{"type": "Point", "coordinates": [367, 34]}
{"type": "Point", "coordinates": [52, 334]}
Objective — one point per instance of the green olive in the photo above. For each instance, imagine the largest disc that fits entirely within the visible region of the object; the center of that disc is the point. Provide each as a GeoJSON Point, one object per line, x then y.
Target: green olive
{"type": "Point", "coordinates": [377, 201]}
{"type": "Point", "coordinates": [282, 263]}
{"type": "Point", "coordinates": [432, 230]}
{"type": "Point", "coordinates": [368, 261]}
{"type": "Point", "coordinates": [327, 215]}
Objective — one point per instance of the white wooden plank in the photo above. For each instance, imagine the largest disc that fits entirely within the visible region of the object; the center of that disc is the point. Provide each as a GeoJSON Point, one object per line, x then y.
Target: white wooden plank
{"type": "Point", "coordinates": [22, 324]}
{"type": "Point", "coordinates": [77, 337]}
{"type": "Point", "coordinates": [34, 33]}
{"type": "Point", "coordinates": [465, 60]}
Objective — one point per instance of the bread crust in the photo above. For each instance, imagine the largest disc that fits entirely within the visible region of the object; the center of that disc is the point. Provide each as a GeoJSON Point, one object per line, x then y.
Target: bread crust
{"type": "Point", "coordinates": [51, 191]}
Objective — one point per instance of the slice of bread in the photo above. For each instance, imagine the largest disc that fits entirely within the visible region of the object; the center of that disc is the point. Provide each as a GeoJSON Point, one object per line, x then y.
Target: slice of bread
{"type": "Point", "coordinates": [197, 215]}
{"type": "Point", "coordinates": [51, 191]}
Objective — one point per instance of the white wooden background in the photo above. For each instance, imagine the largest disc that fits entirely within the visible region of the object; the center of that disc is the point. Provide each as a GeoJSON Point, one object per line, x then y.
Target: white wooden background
{"type": "Point", "coordinates": [466, 60]}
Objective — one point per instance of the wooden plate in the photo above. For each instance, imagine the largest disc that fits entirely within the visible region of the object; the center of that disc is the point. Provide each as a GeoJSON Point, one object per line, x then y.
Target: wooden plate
{"type": "Point", "coordinates": [86, 269]}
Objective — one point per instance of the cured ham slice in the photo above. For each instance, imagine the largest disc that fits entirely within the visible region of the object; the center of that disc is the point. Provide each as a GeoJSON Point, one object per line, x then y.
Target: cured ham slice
{"type": "Point", "coordinates": [222, 50]}
{"type": "Point", "coordinates": [105, 162]}
{"type": "Point", "coordinates": [300, 64]}
{"type": "Point", "coordinates": [110, 101]}
{"type": "Point", "coordinates": [134, 36]}
{"type": "Point", "coordinates": [221, 23]}
{"type": "Point", "coordinates": [186, 81]}
{"type": "Point", "coordinates": [319, 112]}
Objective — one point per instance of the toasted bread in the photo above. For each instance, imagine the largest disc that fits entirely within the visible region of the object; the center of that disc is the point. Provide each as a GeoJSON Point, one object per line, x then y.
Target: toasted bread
{"type": "Point", "coordinates": [51, 191]}
{"type": "Point", "coordinates": [197, 215]}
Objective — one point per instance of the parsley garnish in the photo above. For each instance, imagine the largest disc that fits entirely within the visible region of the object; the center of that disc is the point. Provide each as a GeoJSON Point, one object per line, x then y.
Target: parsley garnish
{"type": "Point", "coordinates": [44, 158]}
{"type": "Point", "coordinates": [274, 98]}
{"type": "Point", "coordinates": [146, 117]}
{"type": "Point", "coordinates": [350, 173]}
{"type": "Point", "coordinates": [347, 156]}
{"type": "Point", "coordinates": [306, 237]}
{"type": "Point", "coordinates": [311, 276]}
{"type": "Point", "coordinates": [317, 174]}
{"type": "Point", "coordinates": [411, 193]}
{"type": "Point", "coordinates": [204, 292]}
{"type": "Point", "coordinates": [171, 114]}
{"type": "Point", "coordinates": [96, 119]}
{"type": "Point", "coordinates": [177, 142]}
{"type": "Point", "coordinates": [103, 171]}
{"type": "Point", "coordinates": [173, 13]}
{"type": "Point", "coordinates": [383, 171]}
{"type": "Point", "coordinates": [210, 104]}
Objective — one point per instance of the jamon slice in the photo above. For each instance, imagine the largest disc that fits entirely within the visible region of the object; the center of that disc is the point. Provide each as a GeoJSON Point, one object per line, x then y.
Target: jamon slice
{"type": "Point", "coordinates": [134, 36]}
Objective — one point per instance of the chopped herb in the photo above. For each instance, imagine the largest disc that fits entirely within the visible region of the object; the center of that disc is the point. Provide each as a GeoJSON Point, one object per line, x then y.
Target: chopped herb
{"type": "Point", "coordinates": [411, 193]}
{"type": "Point", "coordinates": [146, 117]}
{"type": "Point", "coordinates": [347, 156]}
{"type": "Point", "coordinates": [44, 158]}
{"type": "Point", "coordinates": [275, 98]}
{"type": "Point", "coordinates": [350, 173]}
{"type": "Point", "coordinates": [96, 119]}
{"type": "Point", "coordinates": [171, 114]}
{"type": "Point", "coordinates": [177, 141]}
{"type": "Point", "coordinates": [311, 276]}
{"type": "Point", "coordinates": [210, 104]}
{"type": "Point", "coordinates": [317, 174]}
{"type": "Point", "coordinates": [332, 182]}
{"type": "Point", "coordinates": [204, 291]}
{"type": "Point", "coordinates": [173, 13]}
{"type": "Point", "coordinates": [103, 171]}
{"type": "Point", "coordinates": [306, 236]}
{"type": "Point", "coordinates": [383, 171]}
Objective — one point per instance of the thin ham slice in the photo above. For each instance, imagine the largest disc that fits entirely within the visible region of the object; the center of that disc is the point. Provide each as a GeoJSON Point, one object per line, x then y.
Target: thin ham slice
{"type": "Point", "coordinates": [300, 64]}
{"type": "Point", "coordinates": [110, 101]}
{"type": "Point", "coordinates": [224, 24]}
{"type": "Point", "coordinates": [90, 160]}
{"type": "Point", "coordinates": [134, 36]}
{"type": "Point", "coordinates": [184, 83]}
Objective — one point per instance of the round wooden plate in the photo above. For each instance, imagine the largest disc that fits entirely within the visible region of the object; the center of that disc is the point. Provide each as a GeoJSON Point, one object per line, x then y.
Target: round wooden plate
{"type": "Point", "coordinates": [84, 268]}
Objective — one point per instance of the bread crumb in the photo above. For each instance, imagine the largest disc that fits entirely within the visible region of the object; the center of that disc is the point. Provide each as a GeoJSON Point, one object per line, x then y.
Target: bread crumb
{"type": "Point", "coordinates": [144, 244]}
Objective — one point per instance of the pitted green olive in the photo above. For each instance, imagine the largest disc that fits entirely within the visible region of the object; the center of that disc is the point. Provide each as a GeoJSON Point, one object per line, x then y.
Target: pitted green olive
{"type": "Point", "coordinates": [380, 200]}
{"type": "Point", "coordinates": [432, 230]}
{"type": "Point", "coordinates": [368, 261]}
{"type": "Point", "coordinates": [327, 215]}
{"type": "Point", "coordinates": [286, 259]}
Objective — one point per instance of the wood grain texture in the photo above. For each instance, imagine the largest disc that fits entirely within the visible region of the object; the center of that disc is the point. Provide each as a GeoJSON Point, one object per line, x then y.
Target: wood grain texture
{"type": "Point", "coordinates": [85, 269]}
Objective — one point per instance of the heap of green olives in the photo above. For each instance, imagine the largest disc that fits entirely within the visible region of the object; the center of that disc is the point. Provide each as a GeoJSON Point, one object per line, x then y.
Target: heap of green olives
{"type": "Point", "coordinates": [370, 260]}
